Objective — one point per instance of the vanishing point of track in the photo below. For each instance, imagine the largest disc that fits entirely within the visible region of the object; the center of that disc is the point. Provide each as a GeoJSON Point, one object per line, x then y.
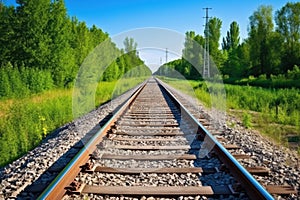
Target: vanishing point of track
{"type": "Point", "coordinates": [152, 146]}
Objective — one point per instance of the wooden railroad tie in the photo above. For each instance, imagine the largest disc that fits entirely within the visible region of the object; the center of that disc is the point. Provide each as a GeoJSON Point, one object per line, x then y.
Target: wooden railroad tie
{"type": "Point", "coordinates": [149, 157]}
{"type": "Point", "coordinates": [153, 113]}
{"type": "Point", "coordinates": [261, 171]}
{"type": "Point", "coordinates": [147, 126]}
{"type": "Point", "coordinates": [226, 146]}
{"type": "Point", "coordinates": [241, 156]}
{"type": "Point", "coordinates": [142, 133]}
{"type": "Point", "coordinates": [164, 170]}
{"type": "Point", "coordinates": [154, 190]}
{"type": "Point", "coordinates": [149, 147]}
{"type": "Point", "coordinates": [281, 189]}
{"type": "Point", "coordinates": [149, 139]}
{"type": "Point", "coordinates": [149, 116]}
{"type": "Point", "coordinates": [148, 190]}
{"type": "Point", "coordinates": [148, 120]}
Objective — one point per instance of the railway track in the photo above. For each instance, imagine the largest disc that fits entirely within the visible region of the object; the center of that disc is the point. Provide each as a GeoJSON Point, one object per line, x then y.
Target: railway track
{"type": "Point", "coordinates": [153, 146]}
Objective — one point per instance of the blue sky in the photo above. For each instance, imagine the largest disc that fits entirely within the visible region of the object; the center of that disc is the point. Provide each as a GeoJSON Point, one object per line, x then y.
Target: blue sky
{"type": "Point", "coordinates": [116, 16]}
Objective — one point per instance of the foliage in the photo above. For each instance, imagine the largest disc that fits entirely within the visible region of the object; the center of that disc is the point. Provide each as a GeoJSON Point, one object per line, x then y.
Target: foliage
{"type": "Point", "coordinates": [235, 52]}
{"type": "Point", "coordinates": [288, 21]}
{"type": "Point", "coordinates": [276, 112]}
{"type": "Point", "coordinates": [279, 81]}
{"type": "Point", "coordinates": [247, 120]}
{"type": "Point", "coordinates": [28, 121]}
{"type": "Point", "coordinates": [271, 50]}
{"type": "Point", "coordinates": [232, 40]}
{"type": "Point", "coordinates": [127, 64]}
{"type": "Point", "coordinates": [129, 45]}
{"type": "Point", "coordinates": [294, 74]}
{"type": "Point", "coordinates": [41, 51]}
{"type": "Point", "coordinates": [20, 82]}
{"type": "Point", "coordinates": [261, 27]}
{"type": "Point", "coordinates": [46, 48]}
{"type": "Point", "coordinates": [282, 105]}
{"type": "Point", "coordinates": [25, 122]}
{"type": "Point", "coordinates": [215, 25]}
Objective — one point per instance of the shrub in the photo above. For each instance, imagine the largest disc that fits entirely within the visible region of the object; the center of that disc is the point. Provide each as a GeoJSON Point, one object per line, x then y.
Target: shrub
{"type": "Point", "coordinates": [247, 120]}
{"type": "Point", "coordinates": [294, 74]}
{"type": "Point", "coordinates": [21, 82]}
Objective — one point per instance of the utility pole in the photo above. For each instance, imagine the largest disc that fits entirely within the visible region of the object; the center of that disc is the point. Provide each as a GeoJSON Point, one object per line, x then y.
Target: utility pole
{"type": "Point", "coordinates": [206, 66]}
{"type": "Point", "coordinates": [166, 55]}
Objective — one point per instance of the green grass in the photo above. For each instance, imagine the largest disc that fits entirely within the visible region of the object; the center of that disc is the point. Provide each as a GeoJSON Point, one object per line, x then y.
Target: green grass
{"type": "Point", "coordinates": [273, 112]}
{"type": "Point", "coordinates": [25, 122]}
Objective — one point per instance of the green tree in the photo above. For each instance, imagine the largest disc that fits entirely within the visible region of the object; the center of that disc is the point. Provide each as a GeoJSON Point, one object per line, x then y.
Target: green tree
{"type": "Point", "coordinates": [31, 33]}
{"type": "Point", "coordinates": [192, 61]}
{"type": "Point", "coordinates": [7, 17]}
{"type": "Point", "coordinates": [261, 28]}
{"type": "Point", "coordinates": [80, 40]}
{"type": "Point", "coordinates": [97, 36]}
{"type": "Point", "coordinates": [288, 23]}
{"type": "Point", "coordinates": [243, 53]}
{"type": "Point", "coordinates": [230, 45]}
{"type": "Point", "coordinates": [130, 45]}
{"type": "Point", "coordinates": [215, 25]}
{"type": "Point", "coordinates": [111, 72]}
{"type": "Point", "coordinates": [189, 56]}
{"type": "Point", "coordinates": [5, 87]}
{"type": "Point", "coordinates": [61, 60]}
{"type": "Point", "coordinates": [232, 39]}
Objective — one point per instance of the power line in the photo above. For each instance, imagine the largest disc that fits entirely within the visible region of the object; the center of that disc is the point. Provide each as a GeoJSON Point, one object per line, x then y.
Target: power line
{"type": "Point", "coordinates": [206, 66]}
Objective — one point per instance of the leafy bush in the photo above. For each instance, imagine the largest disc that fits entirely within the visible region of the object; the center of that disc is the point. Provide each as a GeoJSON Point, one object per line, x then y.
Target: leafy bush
{"type": "Point", "coordinates": [247, 120]}
{"type": "Point", "coordinates": [294, 74]}
{"type": "Point", "coordinates": [21, 82]}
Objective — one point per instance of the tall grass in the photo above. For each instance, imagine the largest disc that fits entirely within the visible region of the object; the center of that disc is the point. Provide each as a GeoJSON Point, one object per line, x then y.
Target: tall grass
{"type": "Point", "coordinates": [25, 122]}
{"type": "Point", "coordinates": [281, 105]}
{"type": "Point", "coordinates": [275, 112]}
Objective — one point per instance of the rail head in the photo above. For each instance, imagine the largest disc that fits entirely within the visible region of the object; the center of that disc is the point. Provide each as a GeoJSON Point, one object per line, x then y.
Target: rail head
{"type": "Point", "coordinates": [253, 188]}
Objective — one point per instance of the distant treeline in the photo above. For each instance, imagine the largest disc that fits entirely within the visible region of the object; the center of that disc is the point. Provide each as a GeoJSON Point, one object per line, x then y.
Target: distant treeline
{"type": "Point", "coordinates": [270, 51]}
{"type": "Point", "coordinates": [41, 47]}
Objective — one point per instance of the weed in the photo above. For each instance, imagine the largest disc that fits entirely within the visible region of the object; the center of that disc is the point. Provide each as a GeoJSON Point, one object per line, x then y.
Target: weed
{"type": "Point", "coordinates": [247, 120]}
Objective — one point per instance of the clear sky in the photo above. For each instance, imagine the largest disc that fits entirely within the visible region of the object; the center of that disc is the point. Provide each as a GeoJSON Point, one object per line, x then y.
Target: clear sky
{"type": "Point", "coordinates": [117, 16]}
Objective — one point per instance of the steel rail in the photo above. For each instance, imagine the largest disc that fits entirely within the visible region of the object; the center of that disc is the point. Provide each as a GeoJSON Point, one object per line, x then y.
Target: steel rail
{"type": "Point", "coordinates": [253, 188]}
{"type": "Point", "coordinates": [56, 188]}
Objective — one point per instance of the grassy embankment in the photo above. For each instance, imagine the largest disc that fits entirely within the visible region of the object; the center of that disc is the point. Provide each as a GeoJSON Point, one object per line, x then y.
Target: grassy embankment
{"type": "Point", "coordinates": [25, 122]}
{"type": "Point", "coordinates": [273, 112]}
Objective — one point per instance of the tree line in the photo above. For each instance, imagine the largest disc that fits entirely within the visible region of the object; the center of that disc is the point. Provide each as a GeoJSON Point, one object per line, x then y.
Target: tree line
{"type": "Point", "coordinates": [270, 50]}
{"type": "Point", "coordinates": [41, 47]}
